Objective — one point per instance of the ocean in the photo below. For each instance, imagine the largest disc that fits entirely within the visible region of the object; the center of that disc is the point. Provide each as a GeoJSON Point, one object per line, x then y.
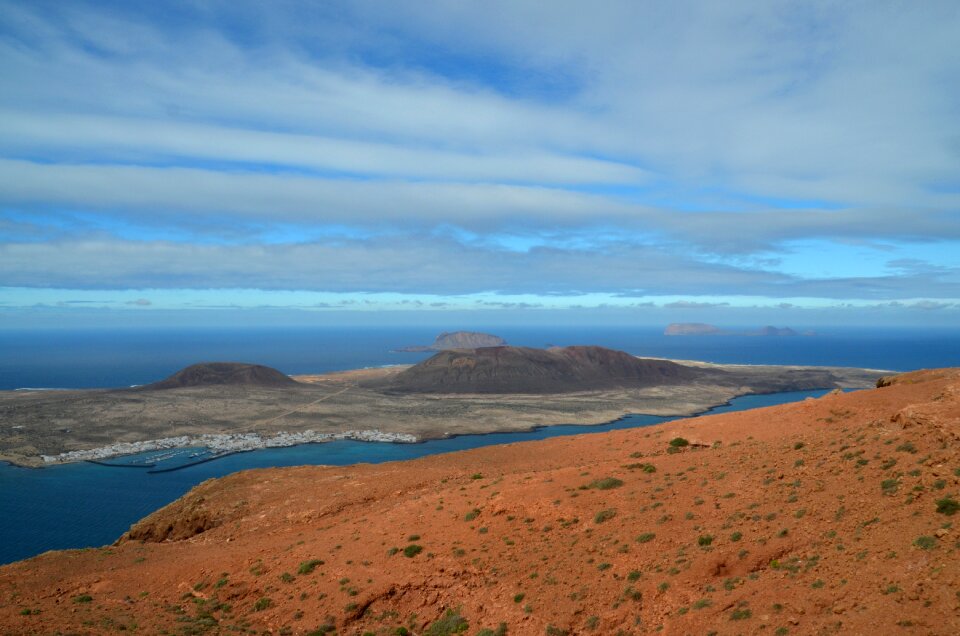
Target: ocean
{"type": "Point", "coordinates": [82, 505]}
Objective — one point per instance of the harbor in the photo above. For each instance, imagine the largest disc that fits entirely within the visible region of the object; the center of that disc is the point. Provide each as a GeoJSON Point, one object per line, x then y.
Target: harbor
{"type": "Point", "coordinates": [213, 446]}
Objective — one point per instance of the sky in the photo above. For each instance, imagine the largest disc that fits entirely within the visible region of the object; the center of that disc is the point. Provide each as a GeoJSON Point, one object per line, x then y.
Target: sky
{"type": "Point", "coordinates": [616, 162]}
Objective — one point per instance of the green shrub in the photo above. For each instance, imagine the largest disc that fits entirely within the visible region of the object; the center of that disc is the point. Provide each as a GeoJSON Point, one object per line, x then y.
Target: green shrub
{"type": "Point", "coordinates": [948, 506]}
{"type": "Point", "coordinates": [705, 540]}
{"type": "Point", "coordinates": [646, 537]}
{"type": "Point", "coordinates": [450, 623]}
{"type": "Point", "coordinates": [925, 542]}
{"type": "Point", "coordinates": [679, 442]}
{"type": "Point", "coordinates": [606, 483]}
{"type": "Point", "coordinates": [262, 603]}
{"type": "Point", "coordinates": [306, 567]}
{"type": "Point", "coordinates": [736, 536]}
{"type": "Point", "coordinates": [740, 614]}
{"type": "Point", "coordinates": [604, 515]}
{"type": "Point", "coordinates": [412, 550]}
{"type": "Point", "coordinates": [470, 516]}
{"type": "Point", "coordinates": [518, 597]}
{"type": "Point", "coordinates": [83, 598]}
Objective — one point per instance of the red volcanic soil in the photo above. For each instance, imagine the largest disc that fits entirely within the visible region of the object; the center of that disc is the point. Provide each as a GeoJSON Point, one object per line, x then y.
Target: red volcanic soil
{"type": "Point", "coordinates": [828, 516]}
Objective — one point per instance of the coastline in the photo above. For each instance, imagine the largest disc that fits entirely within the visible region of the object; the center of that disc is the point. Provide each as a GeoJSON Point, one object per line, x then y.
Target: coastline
{"type": "Point", "coordinates": [225, 444]}
{"type": "Point", "coordinates": [221, 443]}
{"type": "Point", "coordinates": [58, 427]}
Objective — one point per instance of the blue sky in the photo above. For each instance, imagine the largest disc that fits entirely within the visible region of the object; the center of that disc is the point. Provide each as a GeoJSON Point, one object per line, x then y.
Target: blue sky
{"type": "Point", "coordinates": [631, 162]}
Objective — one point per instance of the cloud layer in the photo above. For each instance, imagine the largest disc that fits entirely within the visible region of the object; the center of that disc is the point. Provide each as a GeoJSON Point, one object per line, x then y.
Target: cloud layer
{"type": "Point", "coordinates": [692, 148]}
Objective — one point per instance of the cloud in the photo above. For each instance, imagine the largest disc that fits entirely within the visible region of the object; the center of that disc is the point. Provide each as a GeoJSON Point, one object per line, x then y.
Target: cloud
{"type": "Point", "coordinates": [140, 302]}
{"type": "Point", "coordinates": [631, 149]}
{"type": "Point", "coordinates": [692, 304]}
{"type": "Point", "coordinates": [930, 305]}
{"type": "Point", "coordinates": [418, 264]}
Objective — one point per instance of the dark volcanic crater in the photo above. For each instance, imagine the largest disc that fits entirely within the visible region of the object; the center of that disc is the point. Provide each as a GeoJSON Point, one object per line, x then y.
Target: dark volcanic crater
{"type": "Point", "coordinates": [527, 370]}
{"type": "Point", "coordinates": [222, 373]}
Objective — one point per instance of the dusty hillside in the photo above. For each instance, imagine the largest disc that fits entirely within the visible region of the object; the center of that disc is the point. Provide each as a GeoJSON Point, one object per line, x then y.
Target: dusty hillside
{"type": "Point", "coordinates": [830, 516]}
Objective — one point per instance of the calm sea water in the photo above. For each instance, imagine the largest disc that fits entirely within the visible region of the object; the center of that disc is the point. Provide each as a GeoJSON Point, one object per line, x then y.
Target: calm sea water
{"type": "Point", "coordinates": [84, 505]}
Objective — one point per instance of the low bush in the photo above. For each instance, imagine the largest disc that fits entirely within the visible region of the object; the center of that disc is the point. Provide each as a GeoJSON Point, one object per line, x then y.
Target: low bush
{"type": "Point", "coordinates": [948, 506]}
{"type": "Point", "coordinates": [307, 567]}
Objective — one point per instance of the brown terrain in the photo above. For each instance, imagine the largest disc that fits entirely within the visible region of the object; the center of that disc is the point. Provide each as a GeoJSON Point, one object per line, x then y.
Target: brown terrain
{"type": "Point", "coordinates": [827, 516]}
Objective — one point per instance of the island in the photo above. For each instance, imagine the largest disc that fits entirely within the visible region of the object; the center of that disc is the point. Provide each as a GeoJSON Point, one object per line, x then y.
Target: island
{"type": "Point", "coordinates": [458, 340]}
{"type": "Point", "coordinates": [704, 329]}
{"type": "Point", "coordinates": [236, 406]}
{"type": "Point", "coordinates": [692, 329]}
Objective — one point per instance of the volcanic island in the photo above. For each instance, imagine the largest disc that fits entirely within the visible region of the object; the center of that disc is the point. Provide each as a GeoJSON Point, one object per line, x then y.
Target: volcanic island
{"type": "Point", "coordinates": [230, 407]}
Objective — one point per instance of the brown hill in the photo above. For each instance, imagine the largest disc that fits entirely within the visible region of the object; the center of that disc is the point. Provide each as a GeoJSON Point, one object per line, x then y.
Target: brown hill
{"type": "Point", "coordinates": [828, 516]}
{"type": "Point", "coordinates": [526, 370]}
{"type": "Point", "coordinates": [222, 373]}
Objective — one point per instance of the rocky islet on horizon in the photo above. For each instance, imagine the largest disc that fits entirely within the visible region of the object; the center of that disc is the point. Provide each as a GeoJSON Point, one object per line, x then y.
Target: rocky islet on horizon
{"type": "Point", "coordinates": [458, 340]}
{"type": "Point", "coordinates": [705, 329]}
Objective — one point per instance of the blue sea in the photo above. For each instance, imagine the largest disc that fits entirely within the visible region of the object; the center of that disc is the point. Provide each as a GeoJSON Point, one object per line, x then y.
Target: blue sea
{"type": "Point", "coordinates": [83, 505]}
